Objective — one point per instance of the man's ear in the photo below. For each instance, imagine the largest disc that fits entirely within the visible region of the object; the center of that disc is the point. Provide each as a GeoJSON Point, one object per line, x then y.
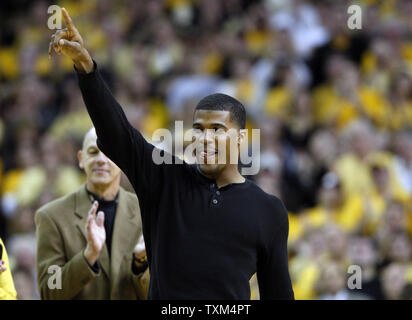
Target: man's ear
{"type": "Point", "coordinates": [80, 158]}
{"type": "Point", "coordinates": [241, 136]}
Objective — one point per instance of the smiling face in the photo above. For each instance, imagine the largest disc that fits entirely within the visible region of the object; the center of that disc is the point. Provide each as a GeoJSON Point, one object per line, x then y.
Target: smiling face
{"type": "Point", "coordinates": [99, 169]}
{"type": "Point", "coordinates": [213, 131]}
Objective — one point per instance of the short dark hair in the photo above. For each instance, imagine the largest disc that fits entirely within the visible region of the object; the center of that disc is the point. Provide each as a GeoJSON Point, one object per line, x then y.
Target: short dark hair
{"type": "Point", "coordinates": [223, 102]}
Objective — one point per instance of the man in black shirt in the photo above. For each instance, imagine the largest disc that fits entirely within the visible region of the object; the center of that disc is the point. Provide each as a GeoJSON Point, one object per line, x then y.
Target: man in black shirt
{"type": "Point", "coordinates": [207, 229]}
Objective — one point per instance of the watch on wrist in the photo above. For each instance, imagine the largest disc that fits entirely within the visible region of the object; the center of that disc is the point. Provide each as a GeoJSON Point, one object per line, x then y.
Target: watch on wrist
{"type": "Point", "coordinates": [140, 260]}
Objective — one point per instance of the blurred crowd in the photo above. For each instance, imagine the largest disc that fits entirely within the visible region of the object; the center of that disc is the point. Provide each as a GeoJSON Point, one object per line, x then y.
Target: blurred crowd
{"type": "Point", "coordinates": [334, 107]}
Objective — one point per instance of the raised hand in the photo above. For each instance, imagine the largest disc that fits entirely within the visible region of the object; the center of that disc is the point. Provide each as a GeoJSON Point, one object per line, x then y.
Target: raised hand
{"type": "Point", "coordinates": [69, 42]}
{"type": "Point", "coordinates": [96, 234]}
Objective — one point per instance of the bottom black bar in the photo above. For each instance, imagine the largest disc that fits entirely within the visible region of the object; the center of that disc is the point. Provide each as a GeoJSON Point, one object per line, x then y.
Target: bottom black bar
{"type": "Point", "coordinates": [203, 309]}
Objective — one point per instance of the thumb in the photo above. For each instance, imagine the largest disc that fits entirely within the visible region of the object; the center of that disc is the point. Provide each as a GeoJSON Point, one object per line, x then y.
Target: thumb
{"type": "Point", "coordinates": [69, 45]}
{"type": "Point", "coordinates": [100, 219]}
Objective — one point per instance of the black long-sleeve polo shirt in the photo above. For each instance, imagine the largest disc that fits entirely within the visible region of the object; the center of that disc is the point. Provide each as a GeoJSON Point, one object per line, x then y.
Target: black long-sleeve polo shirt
{"type": "Point", "coordinates": [202, 242]}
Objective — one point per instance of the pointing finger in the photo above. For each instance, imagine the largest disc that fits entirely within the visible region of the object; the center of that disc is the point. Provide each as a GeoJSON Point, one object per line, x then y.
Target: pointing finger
{"type": "Point", "coordinates": [68, 20]}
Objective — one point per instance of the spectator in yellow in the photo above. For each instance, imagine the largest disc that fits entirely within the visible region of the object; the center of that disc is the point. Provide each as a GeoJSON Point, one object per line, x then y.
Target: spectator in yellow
{"type": "Point", "coordinates": [346, 212]}
{"type": "Point", "coordinates": [345, 98]}
{"type": "Point", "coordinates": [353, 166]}
{"type": "Point", "coordinates": [399, 113]}
{"type": "Point", "coordinates": [7, 290]}
{"type": "Point", "coordinates": [383, 191]}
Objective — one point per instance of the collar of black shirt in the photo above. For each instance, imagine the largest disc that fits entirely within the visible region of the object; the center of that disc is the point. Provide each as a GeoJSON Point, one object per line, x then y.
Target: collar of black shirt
{"type": "Point", "coordinates": [93, 197]}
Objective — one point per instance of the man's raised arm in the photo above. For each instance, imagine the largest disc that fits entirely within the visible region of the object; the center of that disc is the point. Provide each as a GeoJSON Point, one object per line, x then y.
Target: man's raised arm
{"type": "Point", "coordinates": [116, 137]}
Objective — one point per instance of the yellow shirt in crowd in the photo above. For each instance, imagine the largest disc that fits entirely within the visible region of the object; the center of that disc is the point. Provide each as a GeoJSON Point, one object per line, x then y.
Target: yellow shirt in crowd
{"type": "Point", "coordinates": [348, 216]}
{"type": "Point", "coordinates": [7, 290]}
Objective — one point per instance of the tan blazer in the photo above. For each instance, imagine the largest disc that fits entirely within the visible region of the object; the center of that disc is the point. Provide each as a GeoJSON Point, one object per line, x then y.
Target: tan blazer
{"type": "Point", "coordinates": [61, 240]}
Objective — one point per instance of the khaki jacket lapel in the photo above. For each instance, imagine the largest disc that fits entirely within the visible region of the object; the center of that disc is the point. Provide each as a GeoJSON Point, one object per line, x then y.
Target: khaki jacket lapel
{"type": "Point", "coordinates": [82, 207]}
{"type": "Point", "coordinates": [126, 231]}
